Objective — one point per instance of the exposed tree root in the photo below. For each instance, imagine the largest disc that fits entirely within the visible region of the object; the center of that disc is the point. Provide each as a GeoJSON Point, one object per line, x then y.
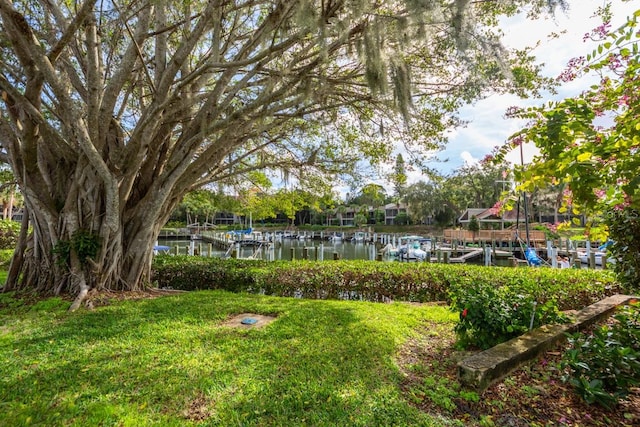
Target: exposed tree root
{"type": "Point", "coordinates": [84, 291]}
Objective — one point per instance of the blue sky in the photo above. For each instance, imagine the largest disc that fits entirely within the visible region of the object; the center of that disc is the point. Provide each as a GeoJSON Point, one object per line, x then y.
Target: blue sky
{"type": "Point", "coordinates": [488, 127]}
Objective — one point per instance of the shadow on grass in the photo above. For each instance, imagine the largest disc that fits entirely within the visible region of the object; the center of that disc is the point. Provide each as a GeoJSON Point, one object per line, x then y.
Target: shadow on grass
{"type": "Point", "coordinates": [168, 361]}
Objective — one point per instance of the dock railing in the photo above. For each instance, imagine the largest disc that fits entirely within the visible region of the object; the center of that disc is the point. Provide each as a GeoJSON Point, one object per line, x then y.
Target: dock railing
{"type": "Point", "coordinates": [536, 237]}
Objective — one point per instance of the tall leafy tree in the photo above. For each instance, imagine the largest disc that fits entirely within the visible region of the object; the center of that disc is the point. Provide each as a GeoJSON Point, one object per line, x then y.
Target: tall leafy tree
{"type": "Point", "coordinates": [475, 186]}
{"type": "Point", "coordinates": [372, 195]}
{"type": "Point", "coordinates": [428, 199]}
{"type": "Point", "coordinates": [547, 201]}
{"type": "Point", "coordinates": [113, 111]}
{"type": "Point", "coordinates": [199, 204]}
{"type": "Point", "coordinates": [590, 143]}
{"type": "Point", "coordinates": [399, 177]}
{"type": "Point", "coordinates": [289, 202]}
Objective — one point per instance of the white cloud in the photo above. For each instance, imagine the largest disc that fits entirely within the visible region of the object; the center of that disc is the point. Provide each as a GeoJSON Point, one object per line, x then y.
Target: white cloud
{"type": "Point", "coordinates": [468, 158]}
{"type": "Point", "coordinates": [487, 126]}
{"type": "Point", "coordinates": [528, 152]}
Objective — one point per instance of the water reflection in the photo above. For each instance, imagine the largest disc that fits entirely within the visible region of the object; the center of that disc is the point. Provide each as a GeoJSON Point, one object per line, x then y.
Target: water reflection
{"type": "Point", "coordinates": [284, 249]}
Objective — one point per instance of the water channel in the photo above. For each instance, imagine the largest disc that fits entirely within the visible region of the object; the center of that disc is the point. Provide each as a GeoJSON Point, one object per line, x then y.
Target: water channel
{"type": "Point", "coordinates": [293, 248]}
{"type": "Point", "coordinates": [280, 250]}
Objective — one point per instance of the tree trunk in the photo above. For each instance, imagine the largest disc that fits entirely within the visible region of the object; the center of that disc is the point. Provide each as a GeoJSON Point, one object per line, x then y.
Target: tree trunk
{"type": "Point", "coordinates": [76, 248]}
{"type": "Point", "coordinates": [62, 257]}
{"type": "Point", "coordinates": [18, 256]}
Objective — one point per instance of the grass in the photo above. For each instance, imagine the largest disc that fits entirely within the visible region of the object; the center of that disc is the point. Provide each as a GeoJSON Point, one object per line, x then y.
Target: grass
{"type": "Point", "coordinates": [169, 361]}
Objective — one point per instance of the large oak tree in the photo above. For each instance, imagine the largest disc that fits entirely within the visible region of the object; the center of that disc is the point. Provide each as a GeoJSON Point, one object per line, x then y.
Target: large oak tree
{"type": "Point", "coordinates": [113, 110]}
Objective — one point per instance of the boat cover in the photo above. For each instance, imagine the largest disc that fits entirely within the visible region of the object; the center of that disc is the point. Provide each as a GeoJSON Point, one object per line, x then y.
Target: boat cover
{"type": "Point", "coordinates": [532, 257]}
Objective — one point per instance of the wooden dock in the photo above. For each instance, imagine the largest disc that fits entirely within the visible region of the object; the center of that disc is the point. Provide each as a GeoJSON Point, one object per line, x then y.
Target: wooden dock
{"type": "Point", "coordinates": [488, 247]}
{"type": "Point", "coordinates": [502, 238]}
{"type": "Point", "coordinates": [475, 253]}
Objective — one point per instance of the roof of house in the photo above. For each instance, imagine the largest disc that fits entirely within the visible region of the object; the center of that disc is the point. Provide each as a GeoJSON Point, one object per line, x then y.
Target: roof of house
{"type": "Point", "coordinates": [491, 215]}
{"type": "Point", "coordinates": [470, 212]}
{"type": "Point", "coordinates": [395, 206]}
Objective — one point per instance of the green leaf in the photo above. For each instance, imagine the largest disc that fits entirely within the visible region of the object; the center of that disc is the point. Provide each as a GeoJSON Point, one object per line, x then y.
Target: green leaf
{"type": "Point", "coordinates": [584, 157]}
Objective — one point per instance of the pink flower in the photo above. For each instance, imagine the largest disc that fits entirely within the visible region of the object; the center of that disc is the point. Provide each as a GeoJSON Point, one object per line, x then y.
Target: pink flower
{"type": "Point", "coordinates": [517, 141]}
{"type": "Point", "coordinates": [487, 159]}
{"type": "Point", "coordinates": [600, 193]}
{"type": "Point", "coordinates": [598, 33]}
{"type": "Point", "coordinates": [624, 100]}
{"type": "Point", "coordinates": [513, 111]}
{"type": "Point", "coordinates": [495, 209]}
{"type": "Point", "coordinates": [573, 67]}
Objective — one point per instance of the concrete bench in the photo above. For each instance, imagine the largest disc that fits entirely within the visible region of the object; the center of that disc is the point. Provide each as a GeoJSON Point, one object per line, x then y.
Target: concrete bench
{"type": "Point", "coordinates": [484, 368]}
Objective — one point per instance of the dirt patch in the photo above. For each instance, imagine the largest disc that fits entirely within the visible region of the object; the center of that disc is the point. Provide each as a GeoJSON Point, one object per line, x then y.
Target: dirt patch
{"type": "Point", "coordinates": [198, 409]}
{"type": "Point", "coordinates": [534, 395]}
{"type": "Point", "coordinates": [101, 298]}
{"type": "Point", "coordinates": [246, 321]}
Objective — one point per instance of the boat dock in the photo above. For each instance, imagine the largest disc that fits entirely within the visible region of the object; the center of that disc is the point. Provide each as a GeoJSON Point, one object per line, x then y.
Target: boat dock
{"type": "Point", "coordinates": [485, 247]}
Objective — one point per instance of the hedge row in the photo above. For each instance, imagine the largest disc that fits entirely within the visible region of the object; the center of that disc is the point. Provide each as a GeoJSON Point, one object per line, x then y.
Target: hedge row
{"type": "Point", "coordinates": [383, 281]}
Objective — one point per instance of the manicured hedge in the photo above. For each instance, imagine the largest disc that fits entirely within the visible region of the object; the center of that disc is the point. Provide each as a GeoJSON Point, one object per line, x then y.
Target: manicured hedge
{"type": "Point", "coordinates": [384, 281]}
{"type": "Point", "coordinates": [191, 273]}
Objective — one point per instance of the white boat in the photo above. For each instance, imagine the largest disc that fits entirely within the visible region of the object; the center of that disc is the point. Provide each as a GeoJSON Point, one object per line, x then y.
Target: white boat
{"type": "Point", "coordinates": [390, 251]}
{"type": "Point", "coordinates": [358, 236]}
{"type": "Point", "coordinates": [336, 237]}
{"type": "Point", "coordinates": [599, 255]}
{"type": "Point", "coordinates": [414, 247]}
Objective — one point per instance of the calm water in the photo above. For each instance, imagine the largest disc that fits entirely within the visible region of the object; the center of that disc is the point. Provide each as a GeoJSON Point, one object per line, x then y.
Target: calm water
{"type": "Point", "coordinates": [285, 248]}
{"type": "Point", "coordinates": [282, 250]}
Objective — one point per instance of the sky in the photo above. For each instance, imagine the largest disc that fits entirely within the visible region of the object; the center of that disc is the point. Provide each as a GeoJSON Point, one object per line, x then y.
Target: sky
{"type": "Point", "coordinates": [487, 126]}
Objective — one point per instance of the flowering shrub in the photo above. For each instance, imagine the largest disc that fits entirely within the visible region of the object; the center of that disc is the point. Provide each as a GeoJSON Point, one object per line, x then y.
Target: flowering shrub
{"type": "Point", "coordinates": [490, 315]}
{"type": "Point", "coordinates": [604, 365]}
{"type": "Point", "coordinates": [550, 230]}
{"type": "Point", "coordinates": [595, 161]}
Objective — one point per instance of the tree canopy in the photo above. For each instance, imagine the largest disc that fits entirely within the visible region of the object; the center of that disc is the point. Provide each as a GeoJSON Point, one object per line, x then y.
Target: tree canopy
{"type": "Point", "coordinates": [114, 111]}
{"type": "Point", "coordinates": [590, 143]}
{"type": "Point", "coordinates": [370, 194]}
{"type": "Point", "coordinates": [470, 186]}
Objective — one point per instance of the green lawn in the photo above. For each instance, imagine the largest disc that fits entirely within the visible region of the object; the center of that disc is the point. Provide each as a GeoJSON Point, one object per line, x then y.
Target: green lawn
{"type": "Point", "coordinates": [169, 361]}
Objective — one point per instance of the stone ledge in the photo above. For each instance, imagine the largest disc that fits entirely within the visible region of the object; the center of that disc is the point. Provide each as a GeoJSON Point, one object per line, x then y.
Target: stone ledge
{"type": "Point", "coordinates": [483, 369]}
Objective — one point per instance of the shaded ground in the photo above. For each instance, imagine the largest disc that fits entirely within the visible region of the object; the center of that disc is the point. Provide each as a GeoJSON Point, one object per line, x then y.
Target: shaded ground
{"type": "Point", "coordinates": [532, 396]}
{"type": "Point", "coordinates": [104, 297]}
